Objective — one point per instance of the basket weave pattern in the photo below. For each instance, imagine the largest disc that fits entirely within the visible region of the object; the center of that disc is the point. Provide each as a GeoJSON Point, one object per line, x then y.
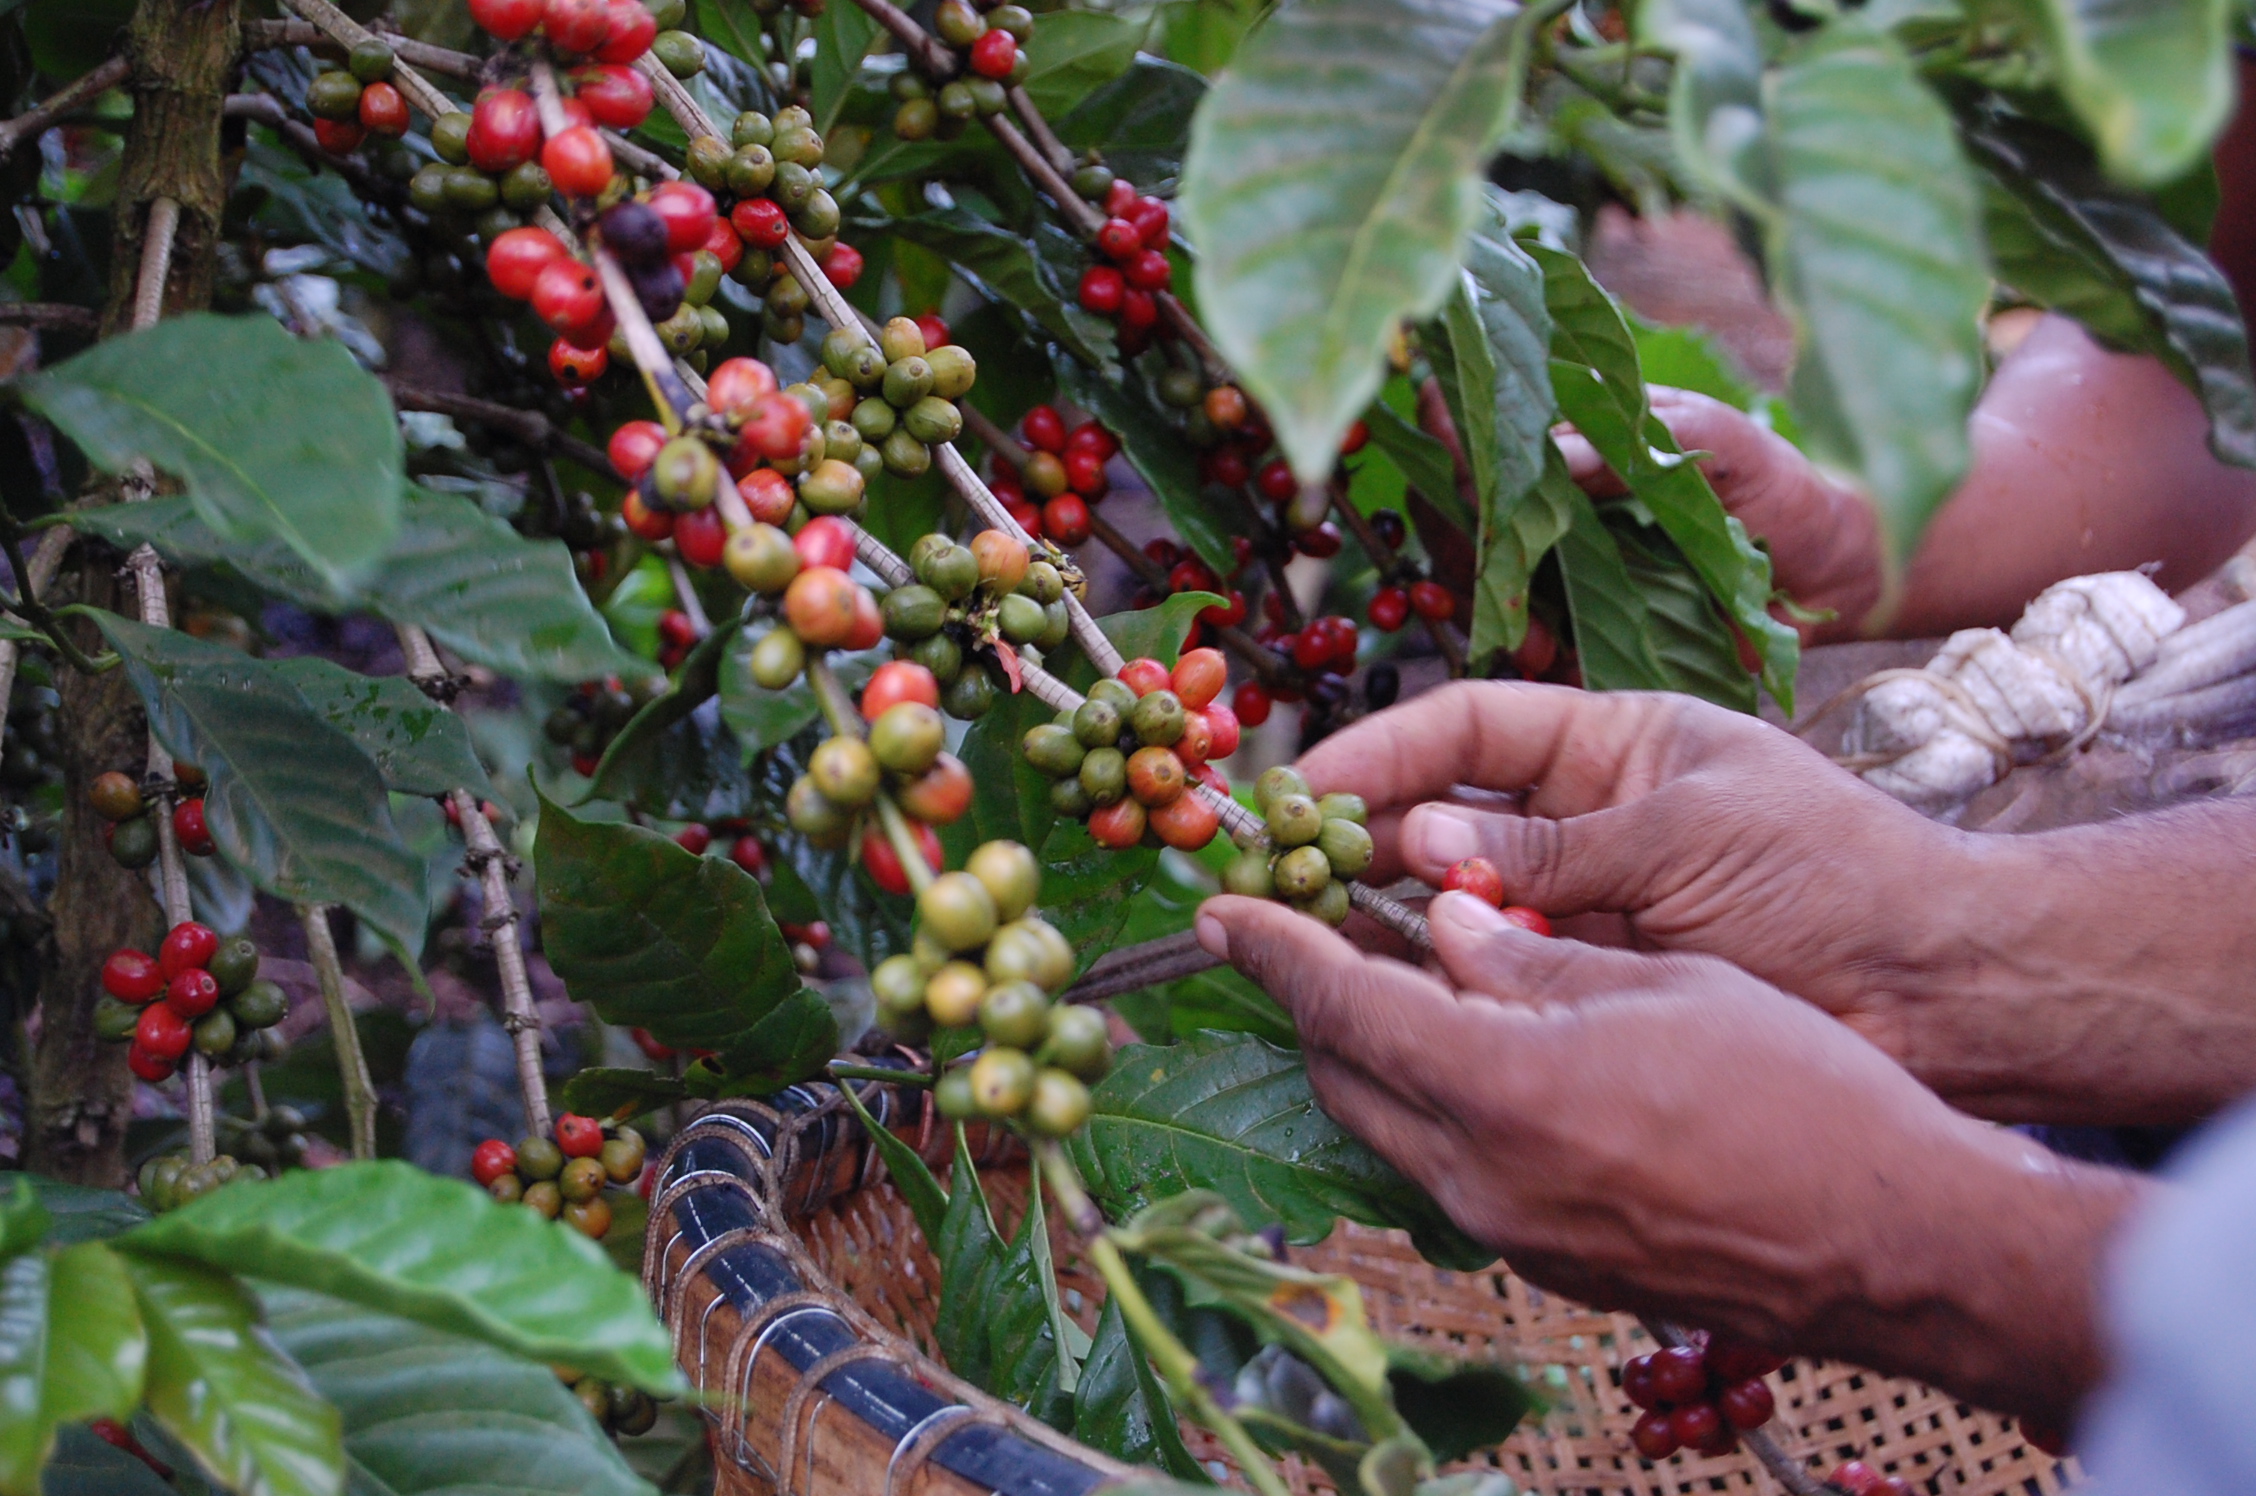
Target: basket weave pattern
{"type": "Point", "coordinates": [868, 1245]}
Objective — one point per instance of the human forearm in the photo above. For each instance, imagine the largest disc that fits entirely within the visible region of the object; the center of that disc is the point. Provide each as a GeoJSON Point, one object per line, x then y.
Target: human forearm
{"type": "Point", "coordinates": [2096, 974]}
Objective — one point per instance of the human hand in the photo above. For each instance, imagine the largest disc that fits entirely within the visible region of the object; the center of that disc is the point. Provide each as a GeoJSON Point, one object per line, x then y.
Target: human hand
{"type": "Point", "coordinates": [1665, 1133]}
{"type": "Point", "coordinates": [1704, 830]}
{"type": "Point", "coordinates": [1824, 538]}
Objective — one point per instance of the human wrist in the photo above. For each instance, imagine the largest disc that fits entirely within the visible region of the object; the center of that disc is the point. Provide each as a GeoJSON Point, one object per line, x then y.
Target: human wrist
{"type": "Point", "coordinates": [1981, 1272]}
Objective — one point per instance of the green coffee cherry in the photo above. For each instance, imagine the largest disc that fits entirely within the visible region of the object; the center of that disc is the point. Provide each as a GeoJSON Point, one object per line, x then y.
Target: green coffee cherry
{"type": "Point", "coordinates": [932, 419]}
{"type": "Point", "coordinates": [907, 380]}
{"type": "Point", "coordinates": [370, 62]}
{"type": "Point", "coordinates": [450, 137]}
{"type": "Point", "coordinates": [941, 655]}
{"type": "Point", "coordinates": [1053, 750]}
{"type": "Point", "coordinates": [1021, 620]}
{"type": "Point", "coordinates": [1158, 719]}
{"type": "Point", "coordinates": [1294, 820]}
{"type": "Point", "coordinates": [1015, 1013]}
{"type": "Point", "coordinates": [1009, 873]}
{"type": "Point", "coordinates": [1331, 905]}
{"type": "Point", "coordinates": [900, 339]}
{"type": "Point", "coordinates": [913, 612]}
{"type": "Point", "coordinates": [679, 53]}
{"type": "Point", "coordinates": [1097, 723]}
{"type": "Point", "coordinates": [904, 455]}
{"type": "Point", "coordinates": [1276, 781]}
{"type": "Point", "coordinates": [958, 911]}
{"type": "Point", "coordinates": [953, 372]}
{"type": "Point", "coordinates": [845, 771]}
{"type": "Point", "coordinates": [751, 128]}
{"type": "Point", "coordinates": [1346, 846]}
{"type": "Point", "coordinates": [1340, 806]}
{"type": "Point", "coordinates": [1302, 873]}
{"type": "Point", "coordinates": [1248, 875]}
{"type": "Point", "coordinates": [970, 696]}
{"type": "Point", "coordinates": [1104, 775]}
{"type": "Point", "coordinates": [778, 659]}
{"type": "Point", "coordinates": [907, 737]}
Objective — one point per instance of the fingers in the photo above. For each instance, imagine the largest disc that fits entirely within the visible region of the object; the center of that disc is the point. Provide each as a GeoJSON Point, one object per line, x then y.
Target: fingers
{"type": "Point", "coordinates": [1585, 466]}
{"type": "Point", "coordinates": [1499, 735]}
{"type": "Point", "coordinates": [1482, 951]}
{"type": "Point", "coordinates": [1606, 860]}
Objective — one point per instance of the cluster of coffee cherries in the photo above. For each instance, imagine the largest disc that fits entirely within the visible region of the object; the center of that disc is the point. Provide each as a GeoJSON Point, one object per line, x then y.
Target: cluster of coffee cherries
{"type": "Point", "coordinates": [1126, 758]}
{"type": "Point", "coordinates": [1133, 269]}
{"type": "Point", "coordinates": [1395, 601]}
{"type": "Point", "coordinates": [1313, 847]}
{"type": "Point", "coordinates": [964, 600]}
{"type": "Point", "coordinates": [130, 834]}
{"type": "Point", "coordinates": [615, 32]}
{"type": "Point", "coordinates": [983, 959]}
{"type": "Point", "coordinates": [770, 169]}
{"type": "Point", "coordinates": [1063, 475]}
{"type": "Point", "coordinates": [1701, 1396]}
{"type": "Point", "coordinates": [564, 1177]}
{"type": "Point", "coordinates": [617, 1409]}
{"type": "Point", "coordinates": [904, 391]}
{"type": "Point", "coordinates": [351, 103]}
{"type": "Point", "coordinates": [992, 46]}
{"type": "Point", "coordinates": [198, 989]}
{"type": "Point", "coordinates": [171, 1180]}
{"type": "Point", "coordinates": [256, 1148]}
{"type": "Point", "coordinates": [1480, 878]}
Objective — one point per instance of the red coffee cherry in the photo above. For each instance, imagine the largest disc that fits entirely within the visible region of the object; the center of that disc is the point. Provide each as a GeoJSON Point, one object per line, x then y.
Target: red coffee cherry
{"type": "Point", "coordinates": [1747, 1404]}
{"type": "Point", "coordinates": [516, 258]}
{"type": "Point", "coordinates": [694, 839]}
{"type": "Point", "coordinates": [506, 19]}
{"type": "Point", "coordinates": [701, 536]}
{"type": "Point", "coordinates": [1432, 601]}
{"type": "Point", "coordinates": [897, 681]}
{"type": "Point", "coordinates": [994, 54]}
{"type": "Point", "coordinates": [132, 977]}
{"type": "Point", "coordinates": [492, 1159]}
{"type": "Point", "coordinates": [161, 1032]}
{"type": "Point", "coordinates": [633, 446]}
{"type": "Point", "coordinates": [1251, 704]}
{"type": "Point", "coordinates": [1478, 877]}
{"type": "Point", "coordinates": [505, 130]}
{"type": "Point", "coordinates": [188, 946]}
{"type": "Point", "coordinates": [1654, 1436]}
{"type": "Point", "coordinates": [382, 110]}
{"type": "Point", "coordinates": [192, 993]}
{"type": "Point", "coordinates": [1390, 609]}
{"type": "Point", "coordinates": [1065, 519]}
{"type": "Point", "coordinates": [1680, 1373]}
{"type": "Point", "coordinates": [1535, 921]}
{"type": "Point", "coordinates": [578, 161]}
{"type": "Point", "coordinates": [576, 368]}
{"type": "Point", "coordinates": [578, 1136]}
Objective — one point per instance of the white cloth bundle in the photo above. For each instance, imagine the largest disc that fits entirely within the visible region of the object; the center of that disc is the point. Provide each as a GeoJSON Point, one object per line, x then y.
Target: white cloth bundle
{"type": "Point", "coordinates": [1934, 737]}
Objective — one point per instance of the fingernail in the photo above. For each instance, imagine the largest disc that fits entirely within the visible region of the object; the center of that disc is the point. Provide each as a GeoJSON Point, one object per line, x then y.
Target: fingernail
{"type": "Point", "coordinates": [1473, 915]}
{"type": "Point", "coordinates": [1212, 938]}
{"type": "Point", "coordinates": [1441, 837]}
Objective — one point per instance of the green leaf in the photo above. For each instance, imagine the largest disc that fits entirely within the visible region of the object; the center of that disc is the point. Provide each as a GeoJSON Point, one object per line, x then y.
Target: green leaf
{"type": "Point", "coordinates": [1224, 1001]}
{"type": "Point", "coordinates": [1456, 1406]}
{"type": "Point", "coordinates": [1517, 537]}
{"type": "Point", "coordinates": [620, 1091]}
{"type": "Point", "coordinates": [1613, 643]}
{"type": "Point", "coordinates": [2065, 239]}
{"type": "Point", "coordinates": [1158, 631]}
{"type": "Point", "coordinates": [295, 443]}
{"type": "Point", "coordinates": [75, 1213]}
{"type": "Point", "coordinates": [843, 35]}
{"type": "Point", "coordinates": [1074, 52]}
{"type": "Point", "coordinates": [790, 1045]}
{"type": "Point", "coordinates": [1697, 650]}
{"type": "Point", "coordinates": [1333, 175]}
{"type": "Point", "coordinates": [441, 1252]}
{"type": "Point", "coordinates": [417, 745]}
{"type": "Point", "coordinates": [1121, 1408]}
{"type": "Point", "coordinates": [734, 27]}
{"type": "Point", "coordinates": [993, 1325]}
{"type": "Point", "coordinates": [1715, 93]}
{"type": "Point", "coordinates": [71, 1348]}
{"type": "Point", "coordinates": [912, 1176]}
{"type": "Point", "coordinates": [1424, 461]}
{"type": "Point", "coordinates": [218, 1384]}
{"type": "Point", "coordinates": [2153, 79]}
{"type": "Point", "coordinates": [1158, 451]}
{"type": "Point", "coordinates": [465, 577]}
{"type": "Point", "coordinates": [1877, 252]}
{"type": "Point", "coordinates": [654, 937]}
{"type": "Point", "coordinates": [293, 802]}
{"type": "Point", "coordinates": [431, 1414]}
{"type": "Point", "coordinates": [1234, 1114]}
{"type": "Point", "coordinates": [676, 759]}
{"type": "Point", "coordinates": [1141, 120]}
{"type": "Point", "coordinates": [24, 1220]}
{"type": "Point", "coordinates": [1601, 389]}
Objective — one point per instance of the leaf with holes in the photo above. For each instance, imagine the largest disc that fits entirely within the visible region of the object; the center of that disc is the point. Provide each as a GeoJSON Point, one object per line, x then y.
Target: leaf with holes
{"type": "Point", "coordinates": [1234, 1114]}
{"type": "Point", "coordinates": [441, 1252]}
{"type": "Point", "coordinates": [656, 937]}
{"type": "Point", "coordinates": [293, 801]}
{"type": "Point", "coordinates": [220, 1386]}
{"type": "Point", "coordinates": [295, 443]}
{"type": "Point", "coordinates": [426, 1413]}
{"type": "Point", "coordinates": [1333, 175]}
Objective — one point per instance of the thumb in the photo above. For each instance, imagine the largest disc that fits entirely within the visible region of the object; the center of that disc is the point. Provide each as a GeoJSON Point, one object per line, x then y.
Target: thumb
{"type": "Point", "coordinates": [1482, 951]}
{"type": "Point", "coordinates": [1600, 861]}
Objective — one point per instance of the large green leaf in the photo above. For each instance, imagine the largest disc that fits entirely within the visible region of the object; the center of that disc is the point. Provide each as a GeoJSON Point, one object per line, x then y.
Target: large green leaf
{"type": "Point", "coordinates": [1877, 251]}
{"type": "Point", "coordinates": [74, 1212]}
{"type": "Point", "coordinates": [677, 758]}
{"type": "Point", "coordinates": [468, 579]}
{"type": "Point", "coordinates": [1141, 120]}
{"type": "Point", "coordinates": [994, 1325]}
{"type": "Point", "coordinates": [293, 803]}
{"type": "Point", "coordinates": [654, 937]}
{"type": "Point", "coordinates": [2152, 79]}
{"type": "Point", "coordinates": [277, 438]}
{"type": "Point", "coordinates": [441, 1252]}
{"type": "Point", "coordinates": [1601, 388]}
{"type": "Point", "coordinates": [1157, 450]}
{"type": "Point", "coordinates": [1696, 648]}
{"type": "Point", "coordinates": [218, 1384]}
{"type": "Point", "coordinates": [2065, 239]}
{"type": "Point", "coordinates": [1715, 94]}
{"type": "Point", "coordinates": [1234, 1114]}
{"type": "Point", "coordinates": [1612, 632]}
{"type": "Point", "coordinates": [427, 1413]}
{"type": "Point", "coordinates": [417, 745]}
{"type": "Point", "coordinates": [1517, 536]}
{"type": "Point", "coordinates": [1332, 178]}
{"type": "Point", "coordinates": [1121, 1408]}
{"type": "Point", "coordinates": [1074, 52]}
{"type": "Point", "coordinates": [790, 1045]}
{"type": "Point", "coordinates": [71, 1347]}
{"type": "Point", "coordinates": [842, 39]}
{"type": "Point", "coordinates": [1424, 461]}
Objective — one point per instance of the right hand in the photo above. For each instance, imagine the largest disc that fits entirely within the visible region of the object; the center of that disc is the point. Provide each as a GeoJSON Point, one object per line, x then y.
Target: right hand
{"type": "Point", "coordinates": [1701, 829]}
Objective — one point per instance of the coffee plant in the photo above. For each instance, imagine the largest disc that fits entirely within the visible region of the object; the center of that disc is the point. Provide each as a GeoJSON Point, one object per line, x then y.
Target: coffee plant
{"type": "Point", "coordinates": [722, 424]}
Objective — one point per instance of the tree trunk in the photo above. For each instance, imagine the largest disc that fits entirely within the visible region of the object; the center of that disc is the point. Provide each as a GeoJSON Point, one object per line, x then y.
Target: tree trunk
{"type": "Point", "coordinates": [183, 54]}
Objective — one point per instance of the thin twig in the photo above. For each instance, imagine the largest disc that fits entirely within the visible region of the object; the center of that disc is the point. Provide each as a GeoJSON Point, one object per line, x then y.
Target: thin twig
{"type": "Point", "coordinates": [352, 1061]}
{"type": "Point", "coordinates": [34, 121]}
{"type": "Point", "coordinates": [349, 33]}
{"type": "Point", "coordinates": [50, 315]}
{"type": "Point", "coordinates": [162, 227]}
{"type": "Point", "coordinates": [527, 426]}
{"type": "Point", "coordinates": [1071, 206]}
{"type": "Point", "coordinates": [259, 36]}
{"type": "Point", "coordinates": [1045, 138]}
{"type": "Point", "coordinates": [500, 925]}
{"type": "Point", "coordinates": [934, 58]}
{"type": "Point", "coordinates": [1132, 968]}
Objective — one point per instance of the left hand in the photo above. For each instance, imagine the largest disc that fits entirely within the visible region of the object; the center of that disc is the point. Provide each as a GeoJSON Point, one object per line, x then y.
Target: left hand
{"type": "Point", "coordinates": [1668, 1134]}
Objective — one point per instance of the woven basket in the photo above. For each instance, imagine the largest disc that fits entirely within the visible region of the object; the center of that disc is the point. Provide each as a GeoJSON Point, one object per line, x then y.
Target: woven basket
{"type": "Point", "coordinates": [802, 1297]}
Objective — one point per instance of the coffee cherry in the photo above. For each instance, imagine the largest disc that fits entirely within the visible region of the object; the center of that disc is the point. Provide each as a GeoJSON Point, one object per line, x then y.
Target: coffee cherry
{"type": "Point", "coordinates": [1654, 1436]}
{"type": "Point", "coordinates": [1680, 1374]}
{"type": "Point", "coordinates": [115, 797]}
{"type": "Point", "coordinates": [1346, 846]}
{"type": "Point", "coordinates": [1293, 820]}
{"type": "Point", "coordinates": [187, 947]}
{"type": "Point", "coordinates": [1065, 519]}
{"type": "Point", "coordinates": [957, 910]}
{"type": "Point", "coordinates": [161, 1033]}
{"type": "Point", "coordinates": [1696, 1424]}
{"type": "Point", "coordinates": [1478, 877]}
{"type": "Point", "coordinates": [1002, 1082]}
{"type": "Point", "coordinates": [382, 110]}
{"type": "Point", "coordinates": [506, 19]}
{"type": "Point", "coordinates": [505, 130]}
{"type": "Point", "coordinates": [492, 1159]}
{"type": "Point", "coordinates": [819, 605]}
{"type": "Point", "coordinates": [940, 795]}
{"type": "Point", "coordinates": [1103, 290]}
{"type": "Point", "coordinates": [908, 737]}
{"type": "Point", "coordinates": [1077, 1041]}
{"type": "Point", "coordinates": [148, 1065]}
{"type": "Point", "coordinates": [1118, 825]}
{"type": "Point", "coordinates": [1747, 1405]}
{"type": "Point", "coordinates": [1250, 704]}
{"type": "Point", "coordinates": [578, 1136]}
{"type": "Point", "coordinates": [1390, 609]}
{"type": "Point", "coordinates": [192, 994]}
{"type": "Point", "coordinates": [1059, 1105]}
{"type": "Point", "coordinates": [1186, 823]}
{"type": "Point", "coordinates": [1156, 776]}
{"type": "Point", "coordinates": [845, 771]}
{"type": "Point", "coordinates": [1432, 601]}
{"type": "Point", "coordinates": [1532, 920]}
